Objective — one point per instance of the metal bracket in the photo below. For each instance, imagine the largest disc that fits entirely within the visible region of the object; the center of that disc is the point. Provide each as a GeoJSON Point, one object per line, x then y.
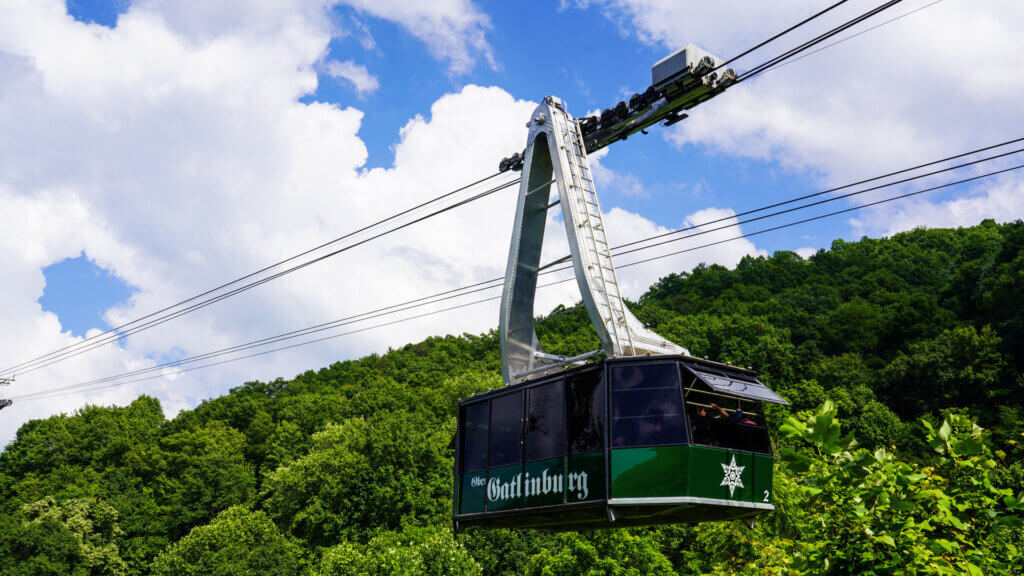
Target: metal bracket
{"type": "Point", "coordinates": [555, 153]}
{"type": "Point", "coordinates": [5, 402]}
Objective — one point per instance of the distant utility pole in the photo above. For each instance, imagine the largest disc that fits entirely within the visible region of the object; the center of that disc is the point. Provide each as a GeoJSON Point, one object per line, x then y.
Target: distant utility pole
{"type": "Point", "coordinates": [4, 402]}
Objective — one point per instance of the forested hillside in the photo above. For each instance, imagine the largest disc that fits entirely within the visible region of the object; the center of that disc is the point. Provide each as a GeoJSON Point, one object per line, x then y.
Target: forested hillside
{"type": "Point", "coordinates": [901, 454]}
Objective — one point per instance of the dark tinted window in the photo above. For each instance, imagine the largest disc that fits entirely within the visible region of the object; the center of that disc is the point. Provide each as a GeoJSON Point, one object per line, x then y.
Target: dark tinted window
{"type": "Point", "coordinates": [474, 437]}
{"type": "Point", "coordinates": [645, 376]}
{"type": "Point", "coordinates": [544, 426]}
{"type": "Point", "coordinates": [646, 406]}
{"type": "Point", "coordinates": [506, 429]}
{"type": "Point", "coordinates": [585, 409]}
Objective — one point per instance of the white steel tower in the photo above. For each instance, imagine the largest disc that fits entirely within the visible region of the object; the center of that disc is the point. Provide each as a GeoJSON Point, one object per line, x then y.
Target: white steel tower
{"type": "Point", "coordinates": [556, 153]}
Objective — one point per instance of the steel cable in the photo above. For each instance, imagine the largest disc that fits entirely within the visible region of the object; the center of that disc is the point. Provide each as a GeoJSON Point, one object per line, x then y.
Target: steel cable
{"type": "Point", "coordinates": [75, 388]}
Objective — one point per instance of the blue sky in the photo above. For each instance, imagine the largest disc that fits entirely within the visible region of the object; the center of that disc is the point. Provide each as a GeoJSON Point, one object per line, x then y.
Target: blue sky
{"type": "Point", "coordinates": [79, 292]}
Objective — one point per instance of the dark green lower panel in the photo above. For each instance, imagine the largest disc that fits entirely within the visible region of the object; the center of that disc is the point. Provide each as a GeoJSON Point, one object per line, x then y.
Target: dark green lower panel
{"type": "Point", "coordinates": [649, 486]}
{"type": "Point", "coordinates": [585, 477]}
{"type": "Point", "coordinates": [473, 492]}
{"type": "Point", "coordinates": [536, 484]}
{"type": "Point", "coordinates": [730, 475]}
{"type": "Point", "coordinates": [696, 471]}
{"type": "Point", "coordinates": [649, 472]}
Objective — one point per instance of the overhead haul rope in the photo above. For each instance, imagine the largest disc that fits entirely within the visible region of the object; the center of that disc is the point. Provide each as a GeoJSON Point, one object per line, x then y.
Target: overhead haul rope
{"type": "Point", "coordinates": [833, 199]}
{"type": "Point", "coordinates": [490, 284]}
{"type": "Point", "coordinates": [73, 388]}
{"type": "Point", "coordinates": [257, 272]}
{"type": "Point", "coordinates": [480, 286]}
{"type": "Point", "coordinates": [114, 335]}
{"type": "Point", "coordinates": [817, 194]}
{"type": "Point", "coordinates": [786, 57]}
{"type": "Point", "coordinates": [781, 34]}
{"type": "Point", "coordinates": [815, 41]}
{"type": "Point", "coordinates": [852, 36]}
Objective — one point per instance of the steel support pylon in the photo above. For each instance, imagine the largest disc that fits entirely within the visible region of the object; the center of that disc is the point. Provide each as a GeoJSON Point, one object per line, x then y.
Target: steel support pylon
{"type": "Point", "coordinates": [555, 154]}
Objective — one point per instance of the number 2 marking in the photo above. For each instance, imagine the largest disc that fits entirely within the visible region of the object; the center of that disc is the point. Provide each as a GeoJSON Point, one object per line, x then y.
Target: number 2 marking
{"type": "Point", "coordinates": [765, 495]}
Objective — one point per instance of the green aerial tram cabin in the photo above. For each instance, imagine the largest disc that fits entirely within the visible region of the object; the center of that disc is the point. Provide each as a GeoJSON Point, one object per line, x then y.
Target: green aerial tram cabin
{"type": "Point", "coordinates": [649, 435]}
{"type": "Point", "coordinates": [626, 441]}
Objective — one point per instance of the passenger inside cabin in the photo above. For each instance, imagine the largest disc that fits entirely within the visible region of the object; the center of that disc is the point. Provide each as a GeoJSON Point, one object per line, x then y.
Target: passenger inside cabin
{"type": "Point", "coordinates": [722, 413]}
{"type": "Point", "coordinates": [738, 416]}
{"type": "Point", "coordinates": [713, 425]}
{"type": "Point", "coordinates": [721, 421]}
{"type": "Point", "coordinates": [701, 421]}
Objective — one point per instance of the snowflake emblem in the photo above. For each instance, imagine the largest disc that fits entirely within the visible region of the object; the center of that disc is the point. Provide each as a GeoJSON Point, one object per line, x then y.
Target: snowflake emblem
{"type": "Point", "coordinates": [732, 476]}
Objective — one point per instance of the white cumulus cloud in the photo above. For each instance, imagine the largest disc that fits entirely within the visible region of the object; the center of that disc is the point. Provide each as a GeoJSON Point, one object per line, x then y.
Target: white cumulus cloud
{"type": "Point", "coordinates": [173, 150]}
{"type": "Point", "coordinates": [945, 79]}
{"type": "Point", "coordinates": [454, 30]}
{"type": "Point", "coordinates": [355, 74]}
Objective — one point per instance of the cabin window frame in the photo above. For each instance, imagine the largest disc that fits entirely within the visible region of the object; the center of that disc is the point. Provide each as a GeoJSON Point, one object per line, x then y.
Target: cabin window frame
{"type": "Point", "coordinates": [609, 418]}
{"type": "Point", "coordinates": [491, 429]}
{"type": "Point", "coordinates": [599, 394]}
{"type": "Point", "coordinates": [758, 410]}
{"type": "Point", "coordinates": [563, 422]}
{"type": "Point", "coordinates": [466, 435]}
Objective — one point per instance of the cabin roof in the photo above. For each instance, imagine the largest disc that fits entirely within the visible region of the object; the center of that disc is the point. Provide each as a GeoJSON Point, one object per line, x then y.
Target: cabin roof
{"type": "Point", "coordinates": [717, 376]}
{"type": "Point", "coordinates": [734, 384]}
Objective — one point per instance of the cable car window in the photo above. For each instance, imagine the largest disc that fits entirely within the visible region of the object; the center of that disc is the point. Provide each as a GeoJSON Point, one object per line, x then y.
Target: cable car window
{"type": "Point", "coordinates": [474, 437]}
{"type": "Point", "coordinates": [544, 429]}
{"type": "Point", "coordinates": [645, 376]}
{"type": "Point", "coordinates": [585, 410]}
{"type": "Point", "coordinates": [727, 423]}
{"type": "Point", "coordinates": [646, 406]}
{"type": "Point", "coordinates": [506, 429]}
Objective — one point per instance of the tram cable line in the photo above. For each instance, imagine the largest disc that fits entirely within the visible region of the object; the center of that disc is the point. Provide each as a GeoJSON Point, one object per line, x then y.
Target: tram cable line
{"type": "Point", "coordinates": [730, 78]}
{"type": "Point", "coordinates": [67, 354]}
{"type": "Point", "coordinates": [854, 35]}
{"type": "Point", "coordinates": [780, 34]}
{"type": "Point", "coordinates": [42, 395]}
{"type": "Point", "coordinates": [490, 284]}
{"type": "Point", "coordinates": [385, 311]}
{"type": "Point", "coordinates": [787, 55]}
{"type": "Point", "coordinates": [836, 189]}
{"type": "Point", "coordinates": [64, 391]}
{"type": "Point", "coordinates": [843, 196]}
{"type": "Point", "coordinates": [75, 388]}
{"type": "Point", "coordinates": [677, 87]}
{"type": "Point", "coordinates": [617, 248]}
{"type": "Point", "coordinates": [830, 214]}
{"type": "Point", "coordinates": [345, 236]}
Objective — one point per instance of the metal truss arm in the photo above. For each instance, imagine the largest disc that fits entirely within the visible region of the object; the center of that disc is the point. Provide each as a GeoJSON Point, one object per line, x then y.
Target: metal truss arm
{"type": "Point", "coordinates": [555, 153]}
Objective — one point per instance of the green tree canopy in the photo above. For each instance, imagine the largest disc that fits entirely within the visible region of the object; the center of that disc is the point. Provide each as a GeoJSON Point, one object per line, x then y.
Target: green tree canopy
{"type": "Point", "coordinates": [608, 553]}
{"type": "Point", "coordinates": [911, 338]}
{"type": "Point", "coordinates": [77, 537]}
{"type": "Point", "coordinates": [425, 551]}
{"type": "Point", "coordinates": [363, 475]}
{"type": "Point", "coordinates": [873, 513]}
{"type": "Point", "coordinates": [238, 542]}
